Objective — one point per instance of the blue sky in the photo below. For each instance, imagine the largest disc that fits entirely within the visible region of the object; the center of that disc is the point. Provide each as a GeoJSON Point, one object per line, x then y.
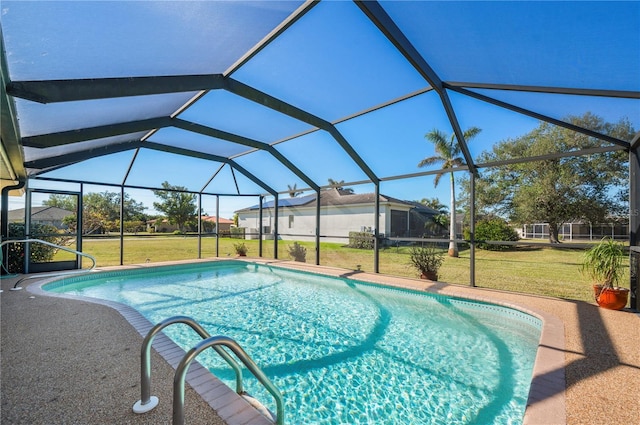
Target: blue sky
{"type": "Point", "coordinates": [332, 63]}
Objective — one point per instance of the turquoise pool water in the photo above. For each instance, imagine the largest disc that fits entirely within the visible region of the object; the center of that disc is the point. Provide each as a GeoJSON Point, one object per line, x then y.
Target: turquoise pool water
{"type": "Point", "coordinates": [341, 351]}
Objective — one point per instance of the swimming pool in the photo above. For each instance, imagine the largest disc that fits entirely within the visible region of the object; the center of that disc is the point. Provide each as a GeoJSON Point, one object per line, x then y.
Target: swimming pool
{"type": "Point", "coordinates": [343, 351]}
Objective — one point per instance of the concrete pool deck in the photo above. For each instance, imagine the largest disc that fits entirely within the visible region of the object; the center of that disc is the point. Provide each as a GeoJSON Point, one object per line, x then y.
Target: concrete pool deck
{"type": "Point", "coordinates": [70, 361]}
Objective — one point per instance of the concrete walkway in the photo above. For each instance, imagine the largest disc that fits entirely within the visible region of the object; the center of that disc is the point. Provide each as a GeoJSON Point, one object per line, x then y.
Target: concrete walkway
{"type": "Point", "coordinates": [73, 362]}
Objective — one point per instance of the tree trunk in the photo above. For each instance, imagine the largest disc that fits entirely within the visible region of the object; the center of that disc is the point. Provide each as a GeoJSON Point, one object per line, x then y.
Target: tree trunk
{"type": "Point", "coordinates": [453, 246]}
{"type": "Point", "coordinates": [553, 233]}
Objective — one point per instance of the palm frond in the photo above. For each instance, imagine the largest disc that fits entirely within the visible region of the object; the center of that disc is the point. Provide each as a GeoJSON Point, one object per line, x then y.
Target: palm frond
{"type": "Point", "coordinates": [437, 179]}
{"type": "Point", "coordinates": [456, 162]}
{"type": "Point", "coordinates": [435, 136]}
{"type": "Point", "coordinates": [430, 161]}
{"type": "Point", "coordinates": [471, 132]}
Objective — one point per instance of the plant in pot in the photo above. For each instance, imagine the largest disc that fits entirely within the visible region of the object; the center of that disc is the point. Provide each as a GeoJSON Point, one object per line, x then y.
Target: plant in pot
{"type": "Point", "coordinates": [298, 252]}
{"type": "Point", "coordinates": [427, 260]}
{"type": "Point", "coordinates": [241, 249]}
{"type": "Point", "coordinates": [603, 263]}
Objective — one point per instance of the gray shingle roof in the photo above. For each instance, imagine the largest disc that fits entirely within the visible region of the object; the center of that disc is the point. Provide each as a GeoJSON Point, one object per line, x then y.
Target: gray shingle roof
{"type": "Point", "coordinates": [338, 197]}
{"type": "Point", "coordinates": [44, 213]}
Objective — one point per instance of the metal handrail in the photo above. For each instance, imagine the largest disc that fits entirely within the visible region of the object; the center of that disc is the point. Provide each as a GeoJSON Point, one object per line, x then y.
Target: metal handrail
{"type": "Point", "coordinates": [62, 273]}
{"type": "Point", "coordinates": [214, 341]}
{"type": "Point", "coordinates": [148, 402]}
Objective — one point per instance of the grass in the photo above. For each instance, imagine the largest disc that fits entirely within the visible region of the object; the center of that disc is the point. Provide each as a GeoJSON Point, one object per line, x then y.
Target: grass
{"type": "Point", "coordinates": [534, 270]}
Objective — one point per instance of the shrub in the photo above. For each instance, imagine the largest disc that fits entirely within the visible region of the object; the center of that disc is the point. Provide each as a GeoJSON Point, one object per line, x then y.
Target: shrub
{"type": "Point", "coordinates": [132, 226]}
{"type": "Point", "coordinates": [298, 252]}
{"type": "Point", "coordinates": [241, 248]}
{"type": "Point", "coordinates": [427, 260]}
{"type": "Point", "coordinates": [237, 232]}
{"type": "Point", "coordinates": [39, 253]}
{"type": "Point", "coordinates": [494, 229]}
{"type": "Point", "coordinates": [361, 240]}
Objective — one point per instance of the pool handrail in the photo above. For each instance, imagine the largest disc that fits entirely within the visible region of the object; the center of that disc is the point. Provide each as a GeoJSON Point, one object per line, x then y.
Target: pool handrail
{"type": "Point", "coordinates": [53, 274]}
{"type": "Point", "coordinates": [215, 341]}
{"type": "Point", "coordinates": [147, 401]}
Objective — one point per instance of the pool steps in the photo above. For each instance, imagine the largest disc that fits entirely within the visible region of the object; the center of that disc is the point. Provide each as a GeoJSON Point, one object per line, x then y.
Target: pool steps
{"type": "Point", "coordinates": [147, 402]}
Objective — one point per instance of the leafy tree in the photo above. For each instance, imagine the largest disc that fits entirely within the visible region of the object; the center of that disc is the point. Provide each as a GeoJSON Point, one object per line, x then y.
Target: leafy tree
{"type": "Point", "coordinates": [556, 190]}
{"type": "Point", "coordinates": [339, 185]}
{"type": "Point", "coordinates": [178, 205]}
{"type": "Point", "coordinates": [65, 202]}
{"type": "Point", "coordinates": [101, 211]}
{"type": "Point", "coordinates": [448, 154]}
{"type": "Point", "coordinates": [293, 192]}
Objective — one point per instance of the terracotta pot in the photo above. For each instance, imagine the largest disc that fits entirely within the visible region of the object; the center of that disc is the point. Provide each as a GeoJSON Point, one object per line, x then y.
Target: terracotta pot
{"type": "Point", "coordinates": [429, 275]}
{"type": "Point", "coordinates": [596, 291]}
{"type": "Point", "coordinates": [613, 298]}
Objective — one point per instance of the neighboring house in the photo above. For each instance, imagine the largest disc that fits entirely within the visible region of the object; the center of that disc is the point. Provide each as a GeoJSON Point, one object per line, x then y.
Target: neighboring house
{"type": "Point", "coordinates": [52, 216]}
{"type": "Point", "coordinates": [162, 225]}
{"type": "Point", "coordinates": [341, 213]}
{"type": "Point", "coordinates": [577, 230]}
{"type": "Point", "coordinates": [224, 223]}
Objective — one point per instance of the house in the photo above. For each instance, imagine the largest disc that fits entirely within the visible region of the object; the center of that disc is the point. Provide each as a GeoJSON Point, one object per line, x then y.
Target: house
{"type": "Point", "coordinates": [578, 230]}
{"type": "Point", "coordinates": [45, 215]}
{"type": "Point", "coordinates": [208, 225]}
{"type": "Point", "coordinates": [341, 212]}
{"type": "Point", "coordinates": [160, 225]}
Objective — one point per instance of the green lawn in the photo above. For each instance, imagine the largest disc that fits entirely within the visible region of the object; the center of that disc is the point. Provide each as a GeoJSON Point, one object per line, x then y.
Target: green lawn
{"type": "Point", "coordinates": [541, 271]}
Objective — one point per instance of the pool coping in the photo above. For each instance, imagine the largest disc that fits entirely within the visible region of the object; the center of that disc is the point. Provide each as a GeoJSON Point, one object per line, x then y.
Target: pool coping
{"type": "Point", "coordinates": [545, 404]}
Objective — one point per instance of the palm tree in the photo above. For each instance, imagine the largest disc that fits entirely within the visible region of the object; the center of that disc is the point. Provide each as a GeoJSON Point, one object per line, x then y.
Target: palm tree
{"type": "Point", "coordinates": [435, 204]}
{"type": "Point", "coordinates": [442, 219]}
{"type": "Point", "coordinates": [339, 185]}
{"type": "Point", "coordinates": [448, 154]}
{"type": "Point", "coordinates": [293, 192]}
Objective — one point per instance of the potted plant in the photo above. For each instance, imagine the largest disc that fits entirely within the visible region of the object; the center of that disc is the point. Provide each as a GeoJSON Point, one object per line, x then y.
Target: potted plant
{"type": "Point", "coordinates": [427, 260]}
{"type": "Point", "coordinates": [241, 249]}
{"type": "Point", "coordinates": [603, 264]}
{"type": "Point", "coordinates": [298, 252]}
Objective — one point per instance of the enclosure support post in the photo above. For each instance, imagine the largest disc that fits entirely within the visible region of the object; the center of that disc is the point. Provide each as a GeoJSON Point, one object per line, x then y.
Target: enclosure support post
{"type": "Point", "coordinates": [376, 232]}
{"type": "Point", "coordinates": [260, 201]}
{"type": "Point", "coordinates": [79, 221]}
{"type": "Point", "coordinates": [318, 227]}
{"type": "Point", "coordinates": [217, 225]}
{"type": "Point", "coordinates": [275, 226]}
{"type": "Point", "coordinates": [634, 220]}
{"type": "Point", "coordinates": [200, 225]}
{"type": "Point", "coordinates": [121, 224]}
{"type": "Point", "coordinates": [472, 230]}
{"type": "Point", "coordinates": [27, 229]}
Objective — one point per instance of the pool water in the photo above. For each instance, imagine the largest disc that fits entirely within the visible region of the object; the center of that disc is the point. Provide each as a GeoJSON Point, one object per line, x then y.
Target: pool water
{"type": "Point", "coordinates": [341, 351]}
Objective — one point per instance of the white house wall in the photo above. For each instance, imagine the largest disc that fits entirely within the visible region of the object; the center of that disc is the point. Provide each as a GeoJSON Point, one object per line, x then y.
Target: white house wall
{"type": "Point", "coordinates": [335, 222]}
